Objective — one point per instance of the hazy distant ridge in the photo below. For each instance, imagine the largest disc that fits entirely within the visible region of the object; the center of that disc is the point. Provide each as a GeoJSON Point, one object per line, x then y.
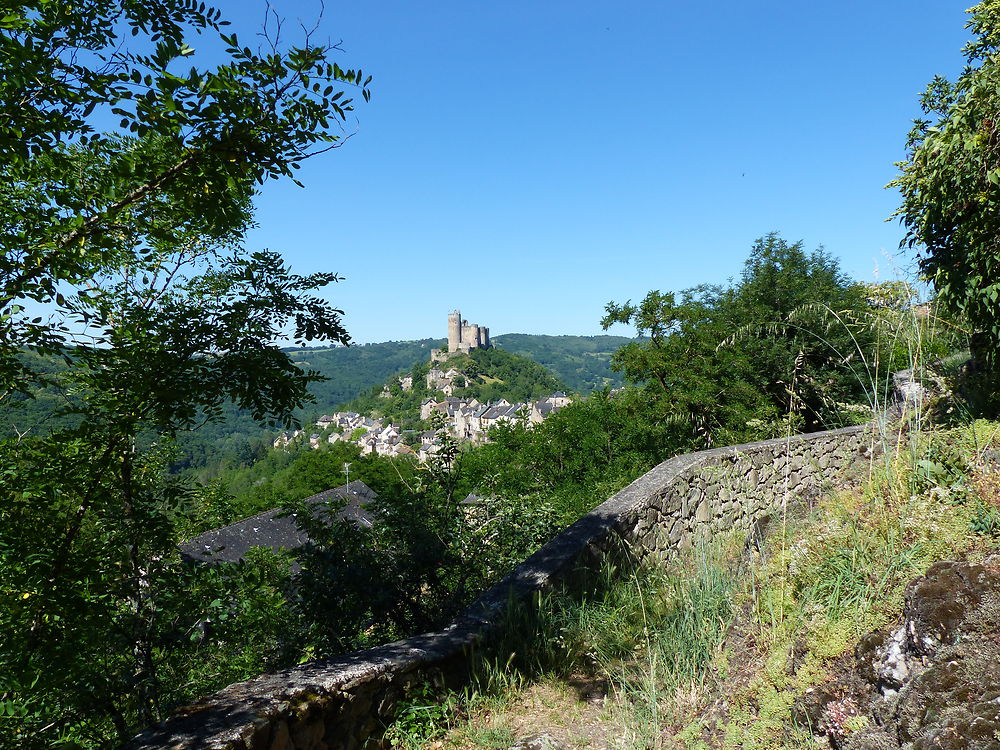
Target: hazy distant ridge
{"type": "Point", "coordinates": [583, 363]}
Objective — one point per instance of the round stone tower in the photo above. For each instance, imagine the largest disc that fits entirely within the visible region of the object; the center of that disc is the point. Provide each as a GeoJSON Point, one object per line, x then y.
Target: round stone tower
{"type": "Point", "coordinates": [454, 330]}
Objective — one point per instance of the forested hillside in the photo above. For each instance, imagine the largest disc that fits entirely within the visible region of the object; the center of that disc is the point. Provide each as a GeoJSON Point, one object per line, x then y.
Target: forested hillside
{"type": "Point", "coordinates": [486, 375]}
{"type": "Point", "coordinates": [579, 363]}
{"type": "Point", "coordinates": [352, 370]}
{"type": "Point", "coordinates": [353, 376]}
{"type": "Point", "coordinates": [237, 440]}
{"type": "Point", "coordinates": [583, 363]}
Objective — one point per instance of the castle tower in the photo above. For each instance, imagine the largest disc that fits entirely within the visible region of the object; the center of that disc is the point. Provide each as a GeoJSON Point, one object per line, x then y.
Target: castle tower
{"type": "Point", "coordinates": [464, 341]}
{"type": "Point", "coordinates": [473, 336]}
{"type": "Point", "coordinates": [484, 337]}
{"type": "Point", "coordinates": [454, 330]}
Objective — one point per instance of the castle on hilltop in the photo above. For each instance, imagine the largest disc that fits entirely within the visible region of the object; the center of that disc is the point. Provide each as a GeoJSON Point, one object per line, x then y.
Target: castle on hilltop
{"type": "Point", "coordinates": [465, 419]}
{"type": "Point", "coordinates": [462, 337]}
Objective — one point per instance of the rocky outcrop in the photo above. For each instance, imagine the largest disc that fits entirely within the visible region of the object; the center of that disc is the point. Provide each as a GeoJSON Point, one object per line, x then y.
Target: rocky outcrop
{"type": "Point", "coordinates": [933, 682]}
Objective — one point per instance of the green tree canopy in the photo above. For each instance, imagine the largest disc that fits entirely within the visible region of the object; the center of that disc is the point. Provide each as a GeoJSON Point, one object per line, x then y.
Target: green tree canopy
{"type": "Point", "coordinates": [782, 347]}
{"type": "Point", "coordinates": [123, 253]}
{"type": "Point", "coordinates": [78, 201]}
{"type": "Point", "coordinates": [950, 186]}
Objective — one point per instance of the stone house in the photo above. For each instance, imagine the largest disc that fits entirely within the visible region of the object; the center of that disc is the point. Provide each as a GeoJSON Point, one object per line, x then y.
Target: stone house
{"type": "Point", "coordinates": [426, 407]}
{"type": "Point", "coordinates": [547, 406]}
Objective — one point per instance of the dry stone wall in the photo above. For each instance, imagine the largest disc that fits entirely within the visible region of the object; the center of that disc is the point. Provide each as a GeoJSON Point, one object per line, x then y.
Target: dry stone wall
{"type": "Point", "coordinates": [340, 703]}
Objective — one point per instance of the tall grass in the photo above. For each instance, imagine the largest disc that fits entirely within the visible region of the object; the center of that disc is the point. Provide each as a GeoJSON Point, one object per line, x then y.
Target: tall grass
{"type": "Point", "coordinates": [844, 572]}
{"type": "Point", "coordinates": [760, 631]}
{"type": "Point", "coordinates": [640, 636]}
{"type": "Point", "coordinates": [635, 616]}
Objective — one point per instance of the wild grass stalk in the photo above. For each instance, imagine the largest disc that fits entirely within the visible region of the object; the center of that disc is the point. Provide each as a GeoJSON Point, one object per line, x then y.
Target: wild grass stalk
{"type": "Point", "coordinates": [655, 639]}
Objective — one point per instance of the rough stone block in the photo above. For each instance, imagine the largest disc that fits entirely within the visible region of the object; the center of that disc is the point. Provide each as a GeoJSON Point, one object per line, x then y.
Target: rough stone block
{"type": "Point", "coordinates": [307, 734]}
{"type": "Point", "coordinates": [280, 739]}
{"type": "Point", "coordinates": [257, 735]}
{"type": "Point", "coordinates": [676, 532]}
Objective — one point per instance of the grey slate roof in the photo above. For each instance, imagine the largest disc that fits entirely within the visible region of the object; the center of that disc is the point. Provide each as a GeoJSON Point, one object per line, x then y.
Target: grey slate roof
{"type": "Point", "coordinates": [544, 407]}
{"type": "Point", "coordinates": [269, 529]}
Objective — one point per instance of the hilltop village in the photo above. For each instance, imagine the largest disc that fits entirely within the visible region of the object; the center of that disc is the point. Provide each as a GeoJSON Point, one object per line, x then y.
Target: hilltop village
{"type": "Point", "coordinates": [465, 419]}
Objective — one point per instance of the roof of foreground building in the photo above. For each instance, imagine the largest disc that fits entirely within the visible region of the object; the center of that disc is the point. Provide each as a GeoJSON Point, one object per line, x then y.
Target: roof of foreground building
{"type": "Point", "coordinates": [277, 531]}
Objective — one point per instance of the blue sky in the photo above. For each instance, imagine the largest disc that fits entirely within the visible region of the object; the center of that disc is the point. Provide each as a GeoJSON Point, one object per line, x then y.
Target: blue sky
{"type": "Point", "coordinates": [528, 162]}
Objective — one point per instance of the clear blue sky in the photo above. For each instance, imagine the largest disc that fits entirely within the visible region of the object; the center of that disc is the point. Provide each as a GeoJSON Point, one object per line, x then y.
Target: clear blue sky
{"type": "Point", "coordinates": [527, 162]}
